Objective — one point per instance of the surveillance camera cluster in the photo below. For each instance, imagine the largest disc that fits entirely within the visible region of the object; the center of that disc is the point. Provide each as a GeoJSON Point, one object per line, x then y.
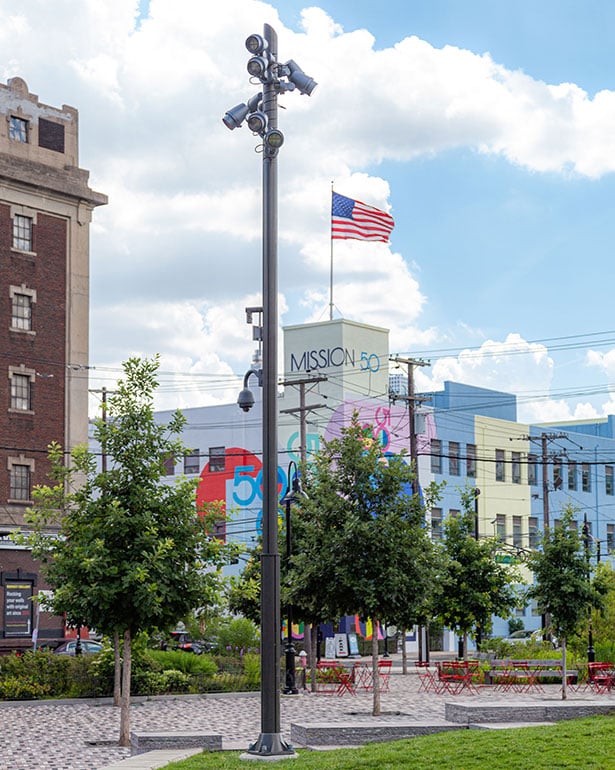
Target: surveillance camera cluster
{"type": "Point", "coordinates": [277, 78]}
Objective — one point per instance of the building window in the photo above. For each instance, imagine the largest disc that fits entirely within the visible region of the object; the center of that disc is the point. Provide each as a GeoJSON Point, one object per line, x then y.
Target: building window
{"type": "Point", "coordinates": [586, 483]}
{"type": "Point", "coordinates": [558, 480]}
{"type": "Point", "coordinates": [471, 461]}
{"type": "Point", "coordinates": [454, 513]}
{"type": "Point", "coordinates": [500, 474]}
{"type": "Point", "coordinates": [532, 470]}
{"type": "Point", "coordinates": [453, 458]}
{"type": "Point", "coordinates": [516, 467]}
{"type": "Point", "coordinates": [610, 538]}
{"type": "Point", "coordinates": [572, 475]}
{"type": "Point", "coordinates": [169, 466]}
{"type": "Point", "coordinates": [217, 459]}
{"type": "Point", "coordinates": [18, 129]}
{"type": "Point", "coordinates": [436, 523]}
{"type": "Point", "coordinates": [192, 462]}
{"type": "Point", "coordinates": [517, 532]}
{"type": "Point", "coordinates": [436, 456]}
{"type": "Point", "coordinates": [21, 391]}
{"type": "Point", "coordinates": [20, 478]}
{"type": "Point", "coordinates": [533, 534]}
{"type": "Point", "coordinates": [500, 526]}
{"type": "Point", "coordinates": [21, 309]}
{"type": "Point", "coordinates": [22, 232]}
{"type": "Point", "coordinates": [608, 480]}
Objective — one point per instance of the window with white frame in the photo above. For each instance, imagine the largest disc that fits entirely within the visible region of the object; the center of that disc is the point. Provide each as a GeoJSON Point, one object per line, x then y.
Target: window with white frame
{"type": "Point", "coordinates": [500, 472]}
{"type": "Point", "coordinates": [453, 458]}
{"type": "Point", "coordinates": [500, 526]}
{"type": "Point", "coordinates": [436, 455]}
{"type": "Point", "coordinates": [22, 232]}
{"type": "Point", "coordinates": [18, 129]}
{"type": "Point", "coordinates": [586, 483]}
{"type": "Point", "coordinates": [517, 531]}
{"type": "Point", "coordinates": [436, 523]}
{"type": "Point", "coordinates": [533, 531]}
{"type": "Point", "coordinates": [610, 538]}
{"type": "Point", "coordinates": [21, 391]}
{"type": "Point", "coordinates": [532, 469]}
{"type": "Point", "coordinates": [608, 480]}
{"type": "Point", "coordinates": [20, 478]}
{"type": "Point", "coordinates": [22, 299]}
{"type": "Point", "coordinates": [572, 475]}
{"type": "Point", "coordinates": [516, 468]}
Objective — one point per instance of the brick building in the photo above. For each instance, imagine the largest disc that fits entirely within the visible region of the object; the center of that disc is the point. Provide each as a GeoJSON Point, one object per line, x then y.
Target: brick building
{"type": "Point", "coordinates": [46, 207]}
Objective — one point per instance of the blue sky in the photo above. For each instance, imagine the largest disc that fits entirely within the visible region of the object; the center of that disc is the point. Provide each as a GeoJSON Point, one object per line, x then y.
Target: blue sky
{"type": "Point", "coordinates": [484, 126]}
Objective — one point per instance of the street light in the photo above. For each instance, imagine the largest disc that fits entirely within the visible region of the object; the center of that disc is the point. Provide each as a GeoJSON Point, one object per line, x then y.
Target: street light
{"type": "Point", "coordinates": [591, 653]}
{"type": "Point", "coordinates": [293, 493]}
{"type": "Point", "coordinates": [275, 79]}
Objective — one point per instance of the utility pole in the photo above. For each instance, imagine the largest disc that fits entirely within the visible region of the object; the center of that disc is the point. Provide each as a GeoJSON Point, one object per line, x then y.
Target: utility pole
{"type": "Point", "coordinates": [412, 400]}
{"type": "Point", "coordinates": [544, 439]}
{"type": "Point", "coordinates": [302, 410]}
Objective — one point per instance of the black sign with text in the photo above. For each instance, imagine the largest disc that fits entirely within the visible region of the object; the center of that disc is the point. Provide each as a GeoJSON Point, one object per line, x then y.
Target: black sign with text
{"type": "Point", "coordinates": [18, 608]}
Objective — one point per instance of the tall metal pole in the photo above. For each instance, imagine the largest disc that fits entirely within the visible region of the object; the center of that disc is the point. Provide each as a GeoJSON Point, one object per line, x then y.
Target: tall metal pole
{"type": "Point", "coordinates": [261, 112]}
{"type": "Point", "coordinates": [270, 740]}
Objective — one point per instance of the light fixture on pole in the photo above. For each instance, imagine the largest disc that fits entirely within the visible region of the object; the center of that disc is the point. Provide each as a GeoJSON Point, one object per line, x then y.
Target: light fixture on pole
{"type": "Point", "coordinates": [591, 653]}
{"type": "Point", "coordinates": [293, 493]}
{"type": "Point", "coordinates": [275, 79]}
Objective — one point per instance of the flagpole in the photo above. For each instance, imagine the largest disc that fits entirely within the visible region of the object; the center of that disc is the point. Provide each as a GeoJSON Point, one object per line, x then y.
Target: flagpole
{"type": "Point", "coordinates": [331, 268]}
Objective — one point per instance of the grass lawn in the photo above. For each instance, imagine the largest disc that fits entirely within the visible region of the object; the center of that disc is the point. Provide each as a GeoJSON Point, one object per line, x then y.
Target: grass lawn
{"type": "Point", "coordinates": [574, 744]}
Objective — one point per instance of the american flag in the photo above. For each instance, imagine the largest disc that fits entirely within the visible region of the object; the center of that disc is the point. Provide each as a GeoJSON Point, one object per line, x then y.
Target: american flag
{"type": "Point", "coordinates": [353, 219]}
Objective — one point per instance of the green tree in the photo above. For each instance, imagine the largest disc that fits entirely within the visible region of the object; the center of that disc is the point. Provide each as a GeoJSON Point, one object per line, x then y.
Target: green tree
{"type": "Point", "coordinates": [243, 591]}
{"type": "Point", "coordinates": [131, 553]}
{"type": "Point", "coordinates": [563, 587]}
{"type": "Point", "coordinates": [359, 544]}
{"type": "Point", "coordinates": [472, 585]}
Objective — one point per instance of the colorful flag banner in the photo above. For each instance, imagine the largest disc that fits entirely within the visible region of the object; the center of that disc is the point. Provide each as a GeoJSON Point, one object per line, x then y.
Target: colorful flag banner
{"type": "Point", "coordinates": [353, 219]}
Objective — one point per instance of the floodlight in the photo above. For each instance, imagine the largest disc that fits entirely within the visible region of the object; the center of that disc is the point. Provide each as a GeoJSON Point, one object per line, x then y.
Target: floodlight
{"type": "Point", "coordinates": [257, 67]}
{"type": "Point", "coordinates": [296, 75]}
{"type": "Point", "coordinates": [256, 44]}
{"type": "Point", "coordinates": [257, 122]}
{"type": "Point", "coordinates": [235, 117]}
{"type": "Point", "coordinates": [274, 138]}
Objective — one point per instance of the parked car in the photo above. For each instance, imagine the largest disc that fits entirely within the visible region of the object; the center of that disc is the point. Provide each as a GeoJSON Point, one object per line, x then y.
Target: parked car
{"type": "Point", "coordinates": [525, 635]}
{"type": "Point", "coordinates": [182, 641]}
{"type": "Point", "coordinates": [88, 647]}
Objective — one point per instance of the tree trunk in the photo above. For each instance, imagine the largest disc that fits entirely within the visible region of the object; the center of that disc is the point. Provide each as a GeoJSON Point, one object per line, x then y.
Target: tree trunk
{"type": "Point", "coordinates": [117, 671]}
{"type": "Point", "coordinates": [404, 654]}
{"type": "Point", "coordinates": [313, 655]}
{"type": "Point", "coordinates": [125, 710]}
{"type": "Point", "coordinates": [564, 670]}
{"type": "Point", "coordinates": [376, 690]}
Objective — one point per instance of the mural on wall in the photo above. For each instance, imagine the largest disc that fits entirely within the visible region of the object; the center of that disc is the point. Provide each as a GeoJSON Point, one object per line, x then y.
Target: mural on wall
{"type": "Point", "coordinates": [236, 477]}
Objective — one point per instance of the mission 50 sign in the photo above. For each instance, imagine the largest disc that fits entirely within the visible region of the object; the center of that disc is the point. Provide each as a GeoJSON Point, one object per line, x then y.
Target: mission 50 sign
{"type": "Point", "coordinates": [334, 358]}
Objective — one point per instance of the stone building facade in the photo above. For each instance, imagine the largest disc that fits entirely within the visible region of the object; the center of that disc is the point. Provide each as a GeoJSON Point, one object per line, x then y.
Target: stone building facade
{"type": "Point", "coordinates": [46, 208]}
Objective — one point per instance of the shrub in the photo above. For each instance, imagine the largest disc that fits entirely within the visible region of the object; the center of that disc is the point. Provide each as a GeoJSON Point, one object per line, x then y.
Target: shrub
{"type": "Point", "coordinates": [184, 661]}
{"type": "Point", "coordinates": [238, 636]}
{"type": "Point", "coordinates": [22, 688]}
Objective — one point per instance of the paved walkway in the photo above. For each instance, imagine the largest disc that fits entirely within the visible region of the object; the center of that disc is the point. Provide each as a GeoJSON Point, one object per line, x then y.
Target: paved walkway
{"type": "Point", "coordinates": [80, 735]}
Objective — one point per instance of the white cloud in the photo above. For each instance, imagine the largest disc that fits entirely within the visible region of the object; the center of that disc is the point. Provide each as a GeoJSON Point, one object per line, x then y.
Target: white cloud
{"type": "Point", "coordinates": [178, 248]}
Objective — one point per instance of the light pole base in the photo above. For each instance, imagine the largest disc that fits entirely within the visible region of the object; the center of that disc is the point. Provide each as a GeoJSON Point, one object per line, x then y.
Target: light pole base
{"type": "Point", "coordinates": [270, 747]}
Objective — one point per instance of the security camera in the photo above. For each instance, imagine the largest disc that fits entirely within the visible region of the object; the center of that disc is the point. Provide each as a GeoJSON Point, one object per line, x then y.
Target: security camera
{"type": "Point", "coordinates": [245, 400]}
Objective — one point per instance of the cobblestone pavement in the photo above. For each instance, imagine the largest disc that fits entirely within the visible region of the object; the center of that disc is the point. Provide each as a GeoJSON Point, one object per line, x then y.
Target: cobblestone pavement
{"type": "Point", "coordinates": [83, 735]}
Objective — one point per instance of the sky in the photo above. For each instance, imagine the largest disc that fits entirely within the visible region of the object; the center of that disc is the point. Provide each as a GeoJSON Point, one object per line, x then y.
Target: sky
{"type": "Point", "coordinates": [484, 127]}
